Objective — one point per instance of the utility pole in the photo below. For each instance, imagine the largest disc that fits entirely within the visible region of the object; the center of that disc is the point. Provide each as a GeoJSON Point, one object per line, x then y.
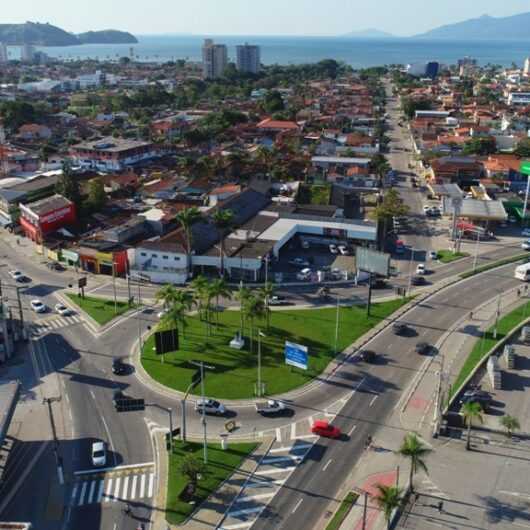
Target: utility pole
{"type": "Point", "coordinates": [58, 458]}
{"type": "Point", "coordinates": [337, 324]}
{"type": "Point", "coordinates": [410, 269]}
{"type": "Point", "coordinates": [20, 309]}
{"type": "Point", "coordinates": [525, 207]}
{"type": "Point", "coordinates": [170, 412]}
{"type": "Point", "coordinates": [365, 509]}
{"type": "Point", "coordinates": [497, 314]}
{"type": "Point", "coordinates": [369, 303]}
{"type": "Point", "coordinates": [476, 251]}
{"type": "Point", "coordinates": [139, 319]}
{"type": "Point", "coordinates": [114, 287]}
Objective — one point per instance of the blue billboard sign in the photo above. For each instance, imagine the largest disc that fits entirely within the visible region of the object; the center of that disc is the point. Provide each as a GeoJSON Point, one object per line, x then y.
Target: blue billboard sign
{"type": "Point", "coordinates": [296, 355]}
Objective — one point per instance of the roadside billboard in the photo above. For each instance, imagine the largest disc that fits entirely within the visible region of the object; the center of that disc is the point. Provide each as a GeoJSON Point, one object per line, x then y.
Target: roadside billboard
{"type": "Point", "coordinates": [368, 260]}
{"type": "Point", "coordinates": [296, 355]}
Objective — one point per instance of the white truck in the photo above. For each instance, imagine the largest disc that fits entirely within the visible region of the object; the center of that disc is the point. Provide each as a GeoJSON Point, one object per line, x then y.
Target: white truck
{"type": "Point", "coordinates": [522, 272]}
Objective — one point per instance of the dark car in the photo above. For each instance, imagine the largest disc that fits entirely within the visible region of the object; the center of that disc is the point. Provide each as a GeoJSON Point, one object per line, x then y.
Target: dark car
{"type": "Point", "coordinates": [379, 283]}
{"type": "Point", "coordinates": [118, 366]}
{"type": "Point", "coordinates": [477, 396]}
{"type": "Point", "coordinates": [423, 348]}
{"type": "Point", "coordinates": [277, 300]}
{"type": "Point", "coordinates": [55, 266]}
{"type": "Point", "coordinates": [399, 328]}
{"type": "Point", "coordinates": [368, 356]}
{"type": "Point", "coordinates": [417, 280]}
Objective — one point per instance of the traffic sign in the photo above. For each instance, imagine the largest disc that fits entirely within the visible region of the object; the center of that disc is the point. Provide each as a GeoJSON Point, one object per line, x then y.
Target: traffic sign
{"type": "Point", "coordinates": [127, 404]}
{"type": "Point", "coordinates": [296, 355]}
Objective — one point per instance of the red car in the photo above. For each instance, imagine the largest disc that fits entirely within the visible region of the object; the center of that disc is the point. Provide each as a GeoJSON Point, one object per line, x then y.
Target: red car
{"type": "Point", "coordinates": [324, 428]}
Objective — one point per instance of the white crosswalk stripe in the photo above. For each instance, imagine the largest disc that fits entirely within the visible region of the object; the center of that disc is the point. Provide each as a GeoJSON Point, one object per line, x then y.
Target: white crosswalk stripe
{"type": "Point", "coordinates": [112, 489]}
{"type": "Point", "coordinates": [38, 328]}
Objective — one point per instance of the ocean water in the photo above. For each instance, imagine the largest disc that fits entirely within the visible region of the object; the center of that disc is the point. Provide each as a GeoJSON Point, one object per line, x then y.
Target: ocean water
{"type": "Point", "coordinates": [296, 50]}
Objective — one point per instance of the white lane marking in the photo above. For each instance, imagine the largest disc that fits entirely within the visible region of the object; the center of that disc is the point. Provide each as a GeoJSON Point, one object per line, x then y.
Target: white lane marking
{"type": "Point", "coordinates": [297, 505]}
{"type": "Point", "coordinates": [290, 448]}
{"type": "Point", "coordinates": [373, 400]}
{"type": "Point", "coordinates": [274, 471]}
{"type": "Point", "coordinates": [125, 488]}
{"type": "Point", "coordinates": [352, 429]}
{"type": "Point", "coordinates": [114, 468]}
{"type": "Point", "coordinates": [236, 526]}
{"type": "Point", "coordinates": [100, 491]}
{"type": "Point", "coordinates": [245, 511]}
{"type": "Point", "coordinates": [142, 487]}
{"type": "Point", "coordinates": [327, 464]}
{"type": "Point", "coordinates": [277, 459]}
{"type": "Point", "coordinates": [133, 487]}
{"type": "Point", "coordinates": [91, 492]}
{"type": "Point", "coordinates": [151, 484]}
{"type": "Point", "coordinates": [82, 494]}
{"type": "Point", "coordinates": [109, 489]}
{"type": "Point", "coordinates": [74, 493]}
{"type": "Point", "coordinates": [256, 497]}
{"type": "Point", "coordinates": [278, 434]}
{"type": "Point", "coordinates": [266, 483]}
{"type": "Point", "coordinates": [117, 489]}
{"type": "Point", "coordinates": [293, 431]}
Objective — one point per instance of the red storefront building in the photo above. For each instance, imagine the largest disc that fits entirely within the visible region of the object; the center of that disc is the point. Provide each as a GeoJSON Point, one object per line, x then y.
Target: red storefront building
{"type": "Point", "coordinates": [38, 219]}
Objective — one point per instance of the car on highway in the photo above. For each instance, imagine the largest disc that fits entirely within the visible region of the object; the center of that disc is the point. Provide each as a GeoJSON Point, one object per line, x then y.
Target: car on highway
{"type": "Point", "coordinates": [62, 310]}
{"type": "Point", "coordinates": [418, 280]}
{"type": "Point", "coordinates": [399, 328]}
{"type": "Point", "coordinates": [118, 366]}
{"type": "Point", "coordinates": [17, 275]}
{"type": "Point", "coordinates": [423, 348]}
{"type": "Point", "coordinates": [299, 262]}
{"type": "Point", "coordinates": [368, 356]}
{"type": "Point", "coordinates": [525, 232]}
{"type": "Point", "coordinates": [324, 428]}
{"type": "Point", "coordinates": [271, 407]}
{"type": "Point", "coordinates": [525, 245]}
{"type": "Point", "coordinates": [333, 249]}
{"type": "Point", "coordinates": [38, 306]}
{"type": "Point", "coordinates": [277, 300]}
{"type": "Point", "coordinates": [481, 397]}
{"type": "Point", "coordinates": [98, 454]}
{"type": "Point", "coordinates": [420, 269]}
{"type": "Point", "coordinates": [433, 255]}
{"type": "Point", "coordinates": [512, 219]}
{"type": "Point", "coordinates": [343, 249]}
{"type": "Point", "coordinates": [210, 406]}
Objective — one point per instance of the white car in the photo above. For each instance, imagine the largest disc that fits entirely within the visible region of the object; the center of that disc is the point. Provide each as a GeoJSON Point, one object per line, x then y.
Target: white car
{"type": "Point", "coordinates": [525, 245]}
{"type": "Point", "coordinates": [17, 276]}
{"type": "Point", "coordinates": [38, 306]}
{"type": "Point", "coordinates": [99, 454]}
{"type": "Point", "coordinates": [420, 269]}
{"type": "Point", "coordinates": [304, 274]}
{"type": "Point", "coordinates": [343, 249]}
{"type": "Point", "coordinates": [433, 255]}
{"type": "Point", "coordinates": [525, 232]}
{"type": "Point", "coordinates": [210, 406]}
{"type": "Point", "coordinates": [333, 249]}
{"type": "Point", "coordinates": [62, 310]}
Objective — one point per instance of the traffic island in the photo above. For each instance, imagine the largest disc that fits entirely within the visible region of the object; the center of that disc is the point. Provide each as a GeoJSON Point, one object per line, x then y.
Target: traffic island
{"type": "Point", "coordinates": [102, 310]}
{"type": "Point", "coordinates": [234, 373]}
{"type": "Point", "coordinates": [448, 256]}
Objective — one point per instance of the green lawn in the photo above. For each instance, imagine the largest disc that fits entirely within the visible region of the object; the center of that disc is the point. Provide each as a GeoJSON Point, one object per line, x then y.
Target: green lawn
{"type": "Point", "coordinates": [221, 464]}
{"type": "Point", "coordinates": [448, 256]}
{"type": "Point", "coordinates": [342, 512]}
{"type": "Point", "coordinates": [485, 344]}
{"type": "Point", "coordinates": [235, 371]}
{"type": "Point", "coordinates": [100, 309]}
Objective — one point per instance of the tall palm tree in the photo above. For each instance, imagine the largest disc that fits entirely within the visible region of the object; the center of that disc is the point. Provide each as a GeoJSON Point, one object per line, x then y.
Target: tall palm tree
{"type": "Point", "coordinates": [199, 286]}
{"type": "Point", "coordinates": [254, 308]}
{"type": "Point", "coordinates": [224, 220]}
{"type": "Point", "coordinates": [174, 316]}
{"type": "Point", "coordinates": [242, 295]}
{"type": "Point", "coordinates": [413, 449]}
{"type": "Point", "coordinates": [167, 294]}
{"type": "Point", "coordinates": [267, 291]}
{"type": "Point", "coordinates": [187, 218]}
{"type": "Point", "coordinates": [388, 499]}
{"type": "Point", "coordinates": [510, 424]}
{"type": "Point", "coordinates": [472, 412]}
{"type": "Point", "coordinates": [219, 289]}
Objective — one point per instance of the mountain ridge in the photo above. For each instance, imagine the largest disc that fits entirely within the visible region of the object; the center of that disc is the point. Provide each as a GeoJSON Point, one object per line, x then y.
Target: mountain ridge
{"type": "Point", "coordinates": [369, 33]}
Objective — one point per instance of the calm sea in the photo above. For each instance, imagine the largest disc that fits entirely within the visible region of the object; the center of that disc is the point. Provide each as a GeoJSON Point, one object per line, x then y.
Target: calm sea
{"type": "Point", "coordinates": [296, 50]}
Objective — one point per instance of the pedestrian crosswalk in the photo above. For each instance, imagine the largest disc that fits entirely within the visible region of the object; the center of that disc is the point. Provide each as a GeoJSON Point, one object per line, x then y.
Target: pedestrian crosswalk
{"type": "Point", "coordinates": [100, 488]}
{"type": "Point", "coordinates": [44, 326]}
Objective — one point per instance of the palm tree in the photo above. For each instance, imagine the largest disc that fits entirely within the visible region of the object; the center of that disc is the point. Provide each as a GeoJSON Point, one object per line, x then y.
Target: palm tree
{"type": "Point", "coordinates": [413, 449]}
{"type": "Point", "coordinates": [174, 316]}
{"type": "Point", "coordinates": [267, 291]}
{"type": "Point", "coordinates": [388, 499]}
{"type": "Point", "coordinates": [242, 295]}
{"type": "Point", "coordinates": [471, 411]}
{"type": "Point", "coordinates": [187, 218]}
{"type": "Point", "coordinates": [510, 424]}
{"type": "Point", "coordinates": [220, 289]}
{"type": "Point", "coordinates": [223, 220]}
{"type": "Point", "coordinates": [253, 308]}
{"type": "Point", "coordinates": [167, 295]}
{"type": "Point", "coordinates": [199, 287]}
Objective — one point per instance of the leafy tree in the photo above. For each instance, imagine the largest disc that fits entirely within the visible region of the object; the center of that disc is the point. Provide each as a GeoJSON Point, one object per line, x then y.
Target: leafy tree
{"type": "Point", "coordinates": [410, 106]}
{"type": "Point", "coordinates": [219, 288]}
{"type": "Point", "coordinates": [175, 315]}
{"type": "Point", "coordinates": [391, 206]}
{"type": "Point", "coordinates": [379, 165]}
{"type": "Point", "coordinates": [388, 499]}
{"type": "Point", "coordinates": [68, 186]}
{"type": "Point", "coordinates": [472, 412]}
{"type": "Point", "coordinates": [167, 294]}
{"type": "Point", "coordinates": [96, 194]}
{"type": "Point", "coordinates": [523, 148]}
{"type": "Point", "coordinates": [243, 294]}
{"type": "Point", "coordinates": [199, 286]}
{"type": "Point", "coordinates": [510, 424]}
{"type": "Point", "coordinates": [273, 102]}
{"type": "Point", "coordinates": [254, 308]}
{"type": "Point", "coordinates": [413, 449]}
{"type": "Point", "coordinates": [191, 468]}
{"type": "Point", "coordinates": [480, 146]}
{"type": "Point", "coordinates": [17, 113]}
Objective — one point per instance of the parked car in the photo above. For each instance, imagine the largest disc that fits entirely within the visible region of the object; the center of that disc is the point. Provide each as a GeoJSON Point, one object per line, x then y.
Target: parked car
{"type": "Point", "coordinates": [420, 269]}
{"type": "Point", "coordinates": [343, 249]}
{"type": "Point", "coordinates": [426, 209]}
{"type": "Point", "coordinates": [17, 275]}
{"type": "Point", "coordinates": [277, 300]}
{"type": "Point", "coordinates": [299, 262]}
{"type": "Point", "coordinates": [399, 328]}
{"type": "Point", "coordinates": [38, 306]}
{"type": "Point", "coordinates": [62, 310]}
{"type": "Point", "coordinates": [525, 245]}
{"type": "Point", "coordinates": [98, 454]}
{"type": "Point", "coordinates": [305, 244]}
{"type": "Point", "coordinates": [210, 406]}
{"type": "Point", "coordinates": [433, 255]}
{"type": "Point", "coordinates": [477, 396]}
{"type": "Point", "coordinates": [368, 356]}
{"type": "Point", "coordinates": [270, 407]}
{"type": "Point", "coordinates": [55, 266]}
{"type": "Point", "coordinates": [423, 348]}
{"type": "Point", "coordinates": [118, 366]}
{"type": "Point", "coordinates": [525, 232]}
{"type": "Point", "coordinates": [324, 428]}
{"type": "Point", "coordinates": [304, 274]}
{"type": "Point", "coordinates": [333, 249]}
{"type": "Point", "coordinates": [417, 280]}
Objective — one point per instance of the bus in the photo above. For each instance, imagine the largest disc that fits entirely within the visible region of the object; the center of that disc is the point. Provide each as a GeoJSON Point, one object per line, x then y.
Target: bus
{"type": "Point", "coordinates": [522, 272]}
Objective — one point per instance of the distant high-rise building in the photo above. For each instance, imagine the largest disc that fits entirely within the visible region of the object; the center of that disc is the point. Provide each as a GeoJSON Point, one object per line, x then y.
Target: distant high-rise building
{"type": "Point", "coordinates": [526, 69]}
{"type": "Point", "coordinates": [214, 59]}
{"type": "Point", "coordinates": [248, 58]}
{"type": "Point", "coordinates": [467, 61]}
{"type": "Point", "coordinates": [28, 53]}
{"type": "Point", "coordinates": [3, 53]}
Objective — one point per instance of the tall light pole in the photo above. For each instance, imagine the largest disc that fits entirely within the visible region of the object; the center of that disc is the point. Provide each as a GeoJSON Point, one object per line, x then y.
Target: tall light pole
{"type": "Point", "coordinates": [412, 250]}
{"type": "Point", "coordinates": [114, 286]}
{"type": "Point", "coordinates": [476, 251]}
{"type": "Point", "coordinates": [259, 389]}
{"type": "Point", "coordinates": [497, 314]}
{"type": "Point", "coordinates": [525, 206]}
{"type": "Point", "coordinates": [337, 322]}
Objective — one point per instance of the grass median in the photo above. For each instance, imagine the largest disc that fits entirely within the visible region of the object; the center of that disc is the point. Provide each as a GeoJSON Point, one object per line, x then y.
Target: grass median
{"type": "Point", "coordinates": [235, 371]}
{"type": "Point", "coordinates": [495, 264]}
{"type": "Point", "coordinates": [448, 256]}
{"type": "Point", "coordinates": [100, 309]}
{"type": "Point", "coordinates": [342, 512]}
{"type": "Point", "coordinates": [487, 342]}
{"type": "Point", "coordinates": [221, 465]}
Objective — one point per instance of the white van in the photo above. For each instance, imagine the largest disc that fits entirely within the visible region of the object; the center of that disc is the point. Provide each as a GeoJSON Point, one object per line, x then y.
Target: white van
{"type": "Point", "coordinates": [522, 272]}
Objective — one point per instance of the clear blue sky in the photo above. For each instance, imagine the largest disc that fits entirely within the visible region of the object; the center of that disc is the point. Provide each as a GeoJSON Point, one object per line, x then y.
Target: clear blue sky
{"type": "Point", "coordinates": [254, 17]}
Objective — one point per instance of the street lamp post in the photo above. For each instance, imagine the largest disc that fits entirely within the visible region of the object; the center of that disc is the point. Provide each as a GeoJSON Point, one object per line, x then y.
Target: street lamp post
{"type": "Point", "coordinates": [497, 314]}
{"type": "Point", "coordinates": [525, 206]}
{"type": "Point", "coordinates": [259, 389]}
{"type": "Point", "coordinates": [114, 287]}
{"type": "Point", "coordinates": [412, 250]}
{"type": "Point", "coordinates": [476, 252]}
{"type": "Point", "coordinates": [337, 323]}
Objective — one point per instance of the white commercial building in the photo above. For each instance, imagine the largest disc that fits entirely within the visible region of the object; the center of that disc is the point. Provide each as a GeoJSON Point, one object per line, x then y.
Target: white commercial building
{"type": "Point", "coordinates": [519, 98]}
{"type": "Point", "coordinates": [248, 58]}
{"type": "Point", "coordinates": [214, 59]}
{"type": "Point", "coordinates": [4, 57]}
